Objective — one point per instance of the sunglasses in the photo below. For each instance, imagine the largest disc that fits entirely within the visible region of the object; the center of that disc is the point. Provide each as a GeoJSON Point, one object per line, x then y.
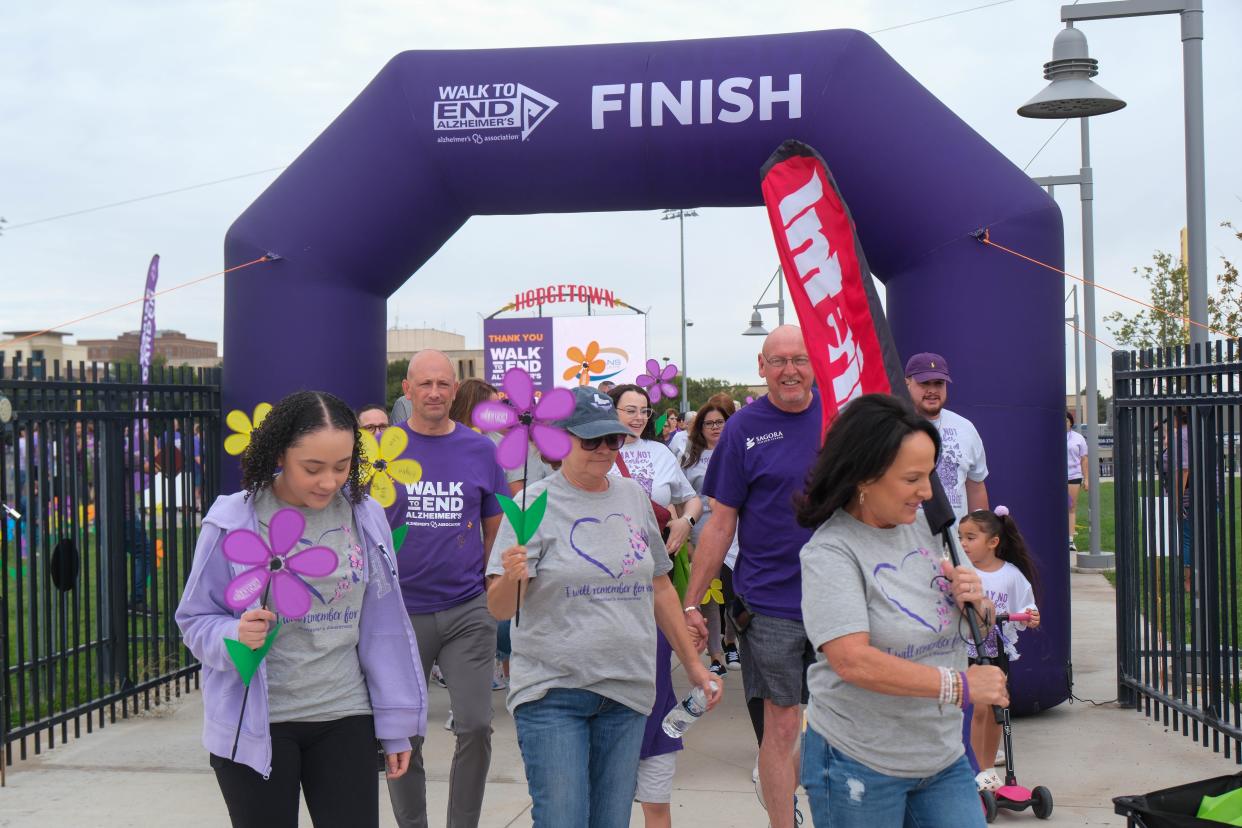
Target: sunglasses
{"type": "Point", "coordinates": [613, 441]}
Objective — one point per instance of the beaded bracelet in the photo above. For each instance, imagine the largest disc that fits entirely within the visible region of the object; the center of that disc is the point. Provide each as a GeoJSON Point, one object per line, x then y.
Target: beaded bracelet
{"type": "Point", "coordinates": [965, 691]}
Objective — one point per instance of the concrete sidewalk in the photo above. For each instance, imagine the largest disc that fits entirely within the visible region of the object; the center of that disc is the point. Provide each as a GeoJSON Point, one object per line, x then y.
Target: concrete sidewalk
{"type": "Point", "coordinates": [150, 771]}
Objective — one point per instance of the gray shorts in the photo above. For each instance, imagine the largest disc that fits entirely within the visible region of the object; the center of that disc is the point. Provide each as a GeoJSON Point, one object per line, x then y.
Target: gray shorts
{"type": "Point", "coordinates": [655, 778]}
{"type": "Point", "coordinates": [775, 657]}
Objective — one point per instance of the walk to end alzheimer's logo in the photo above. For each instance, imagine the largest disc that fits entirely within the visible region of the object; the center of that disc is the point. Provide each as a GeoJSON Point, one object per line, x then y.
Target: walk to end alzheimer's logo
{"type": "Point", "coordinates": [489, 112]}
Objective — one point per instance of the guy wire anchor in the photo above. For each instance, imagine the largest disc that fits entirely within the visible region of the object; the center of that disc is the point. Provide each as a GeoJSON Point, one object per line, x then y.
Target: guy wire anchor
{"type": "Point", "coordinates": [981, 235]}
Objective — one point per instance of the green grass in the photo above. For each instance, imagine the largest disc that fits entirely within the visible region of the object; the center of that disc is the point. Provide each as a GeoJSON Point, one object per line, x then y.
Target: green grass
{"type": "Point", "coordinates": [1108, 532]}
{"type": "Point", "coordinates": [74, 680]}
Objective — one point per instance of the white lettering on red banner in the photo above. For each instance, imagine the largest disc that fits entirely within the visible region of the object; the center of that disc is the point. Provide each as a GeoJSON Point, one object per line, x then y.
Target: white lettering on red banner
{"type": "Point", "coordinates": [817, 250]}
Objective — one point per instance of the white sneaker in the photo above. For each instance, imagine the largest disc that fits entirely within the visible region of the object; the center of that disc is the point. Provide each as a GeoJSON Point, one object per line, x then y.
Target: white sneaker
{"type": "Point", "coordinates": [448, 725]}
{"type": "Point", "coordinates": [499, 680]}
{"type": "Point", "coordinates": [437, 676]}
{"type": "Point", "coordinates": [988, 781]}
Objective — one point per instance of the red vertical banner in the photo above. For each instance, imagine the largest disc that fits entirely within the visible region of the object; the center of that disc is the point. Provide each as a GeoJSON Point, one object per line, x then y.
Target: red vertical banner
{"type": "Point", "coordinates": [825, 271]}
{"type": "Point", "coordinates": [847, 335]}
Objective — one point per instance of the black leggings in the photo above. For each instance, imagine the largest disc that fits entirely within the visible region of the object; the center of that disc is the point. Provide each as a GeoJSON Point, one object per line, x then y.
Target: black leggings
{"type": "Point", "coordinates": [332, 763]}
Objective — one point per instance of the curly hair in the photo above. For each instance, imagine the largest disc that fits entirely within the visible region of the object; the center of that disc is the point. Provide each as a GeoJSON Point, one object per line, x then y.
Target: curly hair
{"type": "Point", "coordinates": [469, 394]}
{"type": "Point", "coordinates": [619, 391]}
{"type": "Point", "coordinates": [297, 415]}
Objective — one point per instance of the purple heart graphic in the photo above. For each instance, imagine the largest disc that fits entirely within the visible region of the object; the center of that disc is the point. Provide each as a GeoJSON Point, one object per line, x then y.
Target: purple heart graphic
{"type": "Point", "coordinates": [887, 570]}
{"type": "Point", "coordinates": [632, 548]}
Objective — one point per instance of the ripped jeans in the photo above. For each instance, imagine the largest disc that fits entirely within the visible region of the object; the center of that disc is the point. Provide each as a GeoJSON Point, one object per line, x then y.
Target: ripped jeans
{"type": "Point", "coordinates": [848, 794]}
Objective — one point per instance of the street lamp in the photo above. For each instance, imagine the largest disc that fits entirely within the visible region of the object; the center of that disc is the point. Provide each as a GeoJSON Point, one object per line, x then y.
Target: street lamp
{"type": "Point", "coordinates": [1045, 105]}
{"type": "Point", "coordinates": [756, 319]}
{"type": "Point", "coordinates": [681, 216]}
{"type": "Point", "coordinates": [1072, 94]}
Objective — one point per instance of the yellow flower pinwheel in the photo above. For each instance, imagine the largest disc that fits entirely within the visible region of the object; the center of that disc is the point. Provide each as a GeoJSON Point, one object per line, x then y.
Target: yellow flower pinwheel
{"type": "Point", "coordinates": [715, 593]}
{"type": "Point", "coordinates": [242, 426]}
{"type": "Point", "coordinates": [384, 466]}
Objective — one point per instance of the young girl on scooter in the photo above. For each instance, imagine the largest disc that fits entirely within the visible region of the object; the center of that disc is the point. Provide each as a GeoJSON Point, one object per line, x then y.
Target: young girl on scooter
{"type": "Point", "coordinates": [995, 546]}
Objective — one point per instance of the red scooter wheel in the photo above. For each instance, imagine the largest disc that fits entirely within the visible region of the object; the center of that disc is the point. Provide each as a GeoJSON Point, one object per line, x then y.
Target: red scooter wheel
{"type": "Point", "coordinates": [1041, 802]}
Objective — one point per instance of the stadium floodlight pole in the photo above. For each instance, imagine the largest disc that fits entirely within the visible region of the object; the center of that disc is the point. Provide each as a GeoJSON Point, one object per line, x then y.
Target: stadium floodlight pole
{"type": "Point", "coordinates": [681, 216]}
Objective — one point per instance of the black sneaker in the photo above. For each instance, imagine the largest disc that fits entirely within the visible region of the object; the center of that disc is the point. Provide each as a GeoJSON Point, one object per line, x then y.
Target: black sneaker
{"type": "Point", "coordinates": [732, 660]}
{"type": "Point", "coordinates": [137, 608]}
{"type": "Point", "coordinates": [717, 669]}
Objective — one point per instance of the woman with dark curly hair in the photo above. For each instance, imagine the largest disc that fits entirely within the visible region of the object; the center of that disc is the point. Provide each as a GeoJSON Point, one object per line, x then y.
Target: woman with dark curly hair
{"type": "Point", "coordinates": [335, 680]}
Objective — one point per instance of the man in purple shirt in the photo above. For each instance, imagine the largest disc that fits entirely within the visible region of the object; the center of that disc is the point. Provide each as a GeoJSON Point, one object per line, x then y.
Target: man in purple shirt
{"type": "Point", "coordinates": [758, 468]}
{"type": "Point", "coordinates": [451, 517]}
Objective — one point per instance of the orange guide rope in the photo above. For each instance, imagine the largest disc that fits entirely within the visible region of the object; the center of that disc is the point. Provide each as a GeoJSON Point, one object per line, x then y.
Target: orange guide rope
{"type": "Point", "coordinates": [985, 237]}
{"type": "Point", "coordinates": [263, 258]}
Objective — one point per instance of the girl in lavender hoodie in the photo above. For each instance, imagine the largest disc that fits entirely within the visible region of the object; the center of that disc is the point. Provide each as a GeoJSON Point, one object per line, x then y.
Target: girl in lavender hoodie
{"type": "Point", "coordinates": [336, 680]}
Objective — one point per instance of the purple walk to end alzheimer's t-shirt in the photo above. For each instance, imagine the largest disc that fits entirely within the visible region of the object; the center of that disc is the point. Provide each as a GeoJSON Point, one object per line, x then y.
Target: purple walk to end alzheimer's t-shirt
{"type": "Point", "coordinates": [759, 466]}
{"type": "Point", "coordinates": [441, 560]}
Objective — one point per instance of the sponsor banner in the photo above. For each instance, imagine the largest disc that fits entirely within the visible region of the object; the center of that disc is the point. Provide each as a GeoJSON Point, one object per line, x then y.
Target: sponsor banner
{"type": "Point", "coordinates": [489, 112]}
{"type": "Point", "coordinates": [519, 343]}
{"type": "Point", "coordinates": [847, 335]}
{"type": "Point", "coordinates": [566, 351]}
{"type": "Point", "coordinates": [591, 349]}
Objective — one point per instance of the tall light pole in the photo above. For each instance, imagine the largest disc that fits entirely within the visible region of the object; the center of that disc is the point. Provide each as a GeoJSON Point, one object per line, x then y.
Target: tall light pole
{"type": "Point", "coordinates": [1073, 320]}
{"type": "Point", "coordinates": [756, 318]}
{"type": "Point", "coordinates": [681, 216]}
{"type": "Point", "coordinates": [1191, 13]}
{"type": "Point", "coordinates": [1072, 94]}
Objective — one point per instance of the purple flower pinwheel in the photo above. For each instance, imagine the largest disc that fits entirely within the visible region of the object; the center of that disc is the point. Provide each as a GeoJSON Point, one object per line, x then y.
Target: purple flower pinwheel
{"type": "Point", "coordinates": [659, 383]}
{"type": "Point", "coordinates": [523, 420]}
{"type": "Point", "coordinates": [290, 594]}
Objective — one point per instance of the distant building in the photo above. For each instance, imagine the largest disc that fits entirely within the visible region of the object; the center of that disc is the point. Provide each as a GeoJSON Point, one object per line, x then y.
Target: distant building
{"type": "Point", "coordinates": [175, 347]}
{"type": "Point", "coordinates": [404, 343]}
{"type": "Point", "coordinates": [49, 346]}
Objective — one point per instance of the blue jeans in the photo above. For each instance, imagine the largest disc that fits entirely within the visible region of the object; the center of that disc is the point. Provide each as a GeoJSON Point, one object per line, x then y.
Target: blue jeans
{"type": "Point", "coordinates": [580, 750]}
{"type": "Point", "coordinates": [848, 794]}
{"type": "Point", "coordinates": [504, 643]}
{"type": "Point", "coordinates": [139, 547]}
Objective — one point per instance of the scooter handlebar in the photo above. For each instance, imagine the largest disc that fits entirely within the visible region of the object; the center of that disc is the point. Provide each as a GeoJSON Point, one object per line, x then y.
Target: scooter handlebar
{"type": "Point", "coordinates": [1015, 617]}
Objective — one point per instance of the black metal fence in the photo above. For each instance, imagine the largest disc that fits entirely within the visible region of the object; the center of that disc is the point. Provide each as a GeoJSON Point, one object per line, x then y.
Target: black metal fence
{"type": "Point", "coordinates": [104, 482]}
{"type": "Point", "coordinates": [1178, 432]}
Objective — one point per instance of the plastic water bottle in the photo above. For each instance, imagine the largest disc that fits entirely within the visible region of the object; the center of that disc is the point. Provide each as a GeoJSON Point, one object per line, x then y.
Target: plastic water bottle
{"type": "Point", "coordinates": [679, 719]}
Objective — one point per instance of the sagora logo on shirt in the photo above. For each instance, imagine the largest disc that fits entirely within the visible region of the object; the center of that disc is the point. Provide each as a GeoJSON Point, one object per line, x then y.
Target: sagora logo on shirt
{"type": "Point", "coordinates": [771, 436]}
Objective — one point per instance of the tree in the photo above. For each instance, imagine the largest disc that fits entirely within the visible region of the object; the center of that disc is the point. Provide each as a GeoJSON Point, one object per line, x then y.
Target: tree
{"type": "Point", "coordinates": [1227, 306]}
{"type": "Point", "coordinates": [1162, 325]}
{"type": "Point", "coordinates": [392, 383]}
{"type": "Point", "coordinates": [699, 390]}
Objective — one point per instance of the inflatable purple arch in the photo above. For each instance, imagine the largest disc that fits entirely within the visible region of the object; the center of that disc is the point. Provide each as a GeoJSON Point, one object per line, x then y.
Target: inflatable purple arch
{"type": "Point", "coordinates": [440, 136]}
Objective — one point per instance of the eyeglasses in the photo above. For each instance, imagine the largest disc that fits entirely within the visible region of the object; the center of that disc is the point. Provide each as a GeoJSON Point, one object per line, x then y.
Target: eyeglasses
{"type": "Point", "coordinates": [631, 410]}
{"type": "Point", "coordinates": [613, 441]}
{"type": "Point", "coordinates": [780, 361]}
{"type": "Point", "coordinates": [713, 423]}
{"type": "Point", "coordinates": [374, 429]}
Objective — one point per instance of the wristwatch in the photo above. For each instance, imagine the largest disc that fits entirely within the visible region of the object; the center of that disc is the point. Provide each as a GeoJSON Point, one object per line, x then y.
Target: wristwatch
{"type": "Point", "coordinates": [692, 521]}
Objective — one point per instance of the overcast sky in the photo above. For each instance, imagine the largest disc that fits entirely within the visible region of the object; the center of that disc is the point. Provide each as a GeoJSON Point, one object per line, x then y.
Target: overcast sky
{"type": "Point", "coordinates": [103, 102]}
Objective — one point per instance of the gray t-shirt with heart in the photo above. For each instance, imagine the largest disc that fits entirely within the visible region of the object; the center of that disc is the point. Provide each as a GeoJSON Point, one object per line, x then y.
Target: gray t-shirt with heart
{"type": "Point", "coordinates": [588, 613]}
{"type": "Point", "coordinates": [313, 673]}
{"type": "Point", "coordinates": [887, 583]}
